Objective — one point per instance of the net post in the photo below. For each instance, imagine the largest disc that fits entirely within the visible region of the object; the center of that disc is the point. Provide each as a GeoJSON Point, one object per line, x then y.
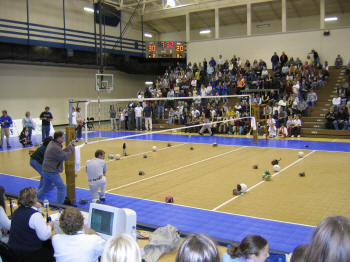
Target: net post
{"type": "Point", "coordinates": [70, 166]}
{"type": "Point", "coordinates": [256, 114]}
{"type": "Point", "coordinates": [85, 122]}
{"type": "Point", "coordinates": [70, 101]}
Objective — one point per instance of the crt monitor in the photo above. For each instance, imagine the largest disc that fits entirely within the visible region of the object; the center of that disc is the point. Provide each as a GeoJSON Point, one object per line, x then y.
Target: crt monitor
{"type": "Point", "coordinates": [104, 220]}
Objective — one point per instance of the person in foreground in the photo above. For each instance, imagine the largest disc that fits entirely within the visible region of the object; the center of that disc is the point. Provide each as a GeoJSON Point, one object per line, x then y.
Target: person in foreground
{"type": "Point", "coordinates": [53, 166]}
{"type": "Point", "coordinates": [5, 222]}
{"type": "Point", "coordinates": [198, 248]}
{"type": "Point", "coordinates": [253, 248]}
{"type": "Point", "coordinates": [121, 248]}
{"type": "Point", "coordinates": [78, 243]}
{"type": "Point", "coordinates": [29, 230]}
{"type": "Point", "coordinates": [330, 241]}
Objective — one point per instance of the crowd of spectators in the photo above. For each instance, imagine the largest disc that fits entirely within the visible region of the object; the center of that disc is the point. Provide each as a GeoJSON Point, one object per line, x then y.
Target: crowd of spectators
{"type": "Point", "coordinates": [337, 116]}
{"type": "Point", "coordinates": [287, 91]}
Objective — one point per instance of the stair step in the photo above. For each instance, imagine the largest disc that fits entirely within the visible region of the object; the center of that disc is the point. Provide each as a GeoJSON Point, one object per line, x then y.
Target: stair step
{"type": "Point", "coordinates": [329, 132]}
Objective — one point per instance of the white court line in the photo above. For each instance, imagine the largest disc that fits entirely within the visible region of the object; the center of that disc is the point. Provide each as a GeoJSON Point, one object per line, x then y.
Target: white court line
{"type": "Point", "coordinates": [263, 181]}
{"type": "Point", "coordinates": [175, 169]}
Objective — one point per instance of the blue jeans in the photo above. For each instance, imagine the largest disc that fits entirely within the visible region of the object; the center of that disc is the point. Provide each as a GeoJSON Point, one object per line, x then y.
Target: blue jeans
{"type": "Point", "coordinates": [45, 132]}
{"type": "Point", "coordinates": [139, 123]}
{"type": "Point", "coordinates": [38, 168]}
{"type": "Point", "coordinates": [49, 179]}
{"type": "Point", "coordinates": [160, 111]}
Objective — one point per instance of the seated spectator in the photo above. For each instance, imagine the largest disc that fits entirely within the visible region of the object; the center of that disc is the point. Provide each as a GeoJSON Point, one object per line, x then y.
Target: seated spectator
{"type": "Point", "coordinates": [296, 129]}
{"type": "Point", "coordinates": [330, 241]}
{"type": "Point", "coordinates": [290, 124]}
{"type": "Point", "coordinates": [330, 117]}
{"type": "Point", "coordinates": [253, 248]}
{"type": "Point", "coordinates": [78, 243]}
{"type": "Point", "coordinates": [342, 119]}
{"type": "Point", "coordinates": [29, 230]}
{"type": "Point", "coordinates": [311, 98]}
{"type": "Point", "coordinates": [336, 102]}
{"type": "Point", "coordinates": [283, 131]}
{"type": "Point", "coordinates": [5, 222]}
{"type": "Point", "coordinates": [338, 61]}
{"type": "Point", "coordinates": [122, 248]}
{"type": "Point", "coordinates": [24, 137]}
{"type": "Point", "coordinates": [198, 248]}
{"type": "Point", "coordinates": [271, 123]}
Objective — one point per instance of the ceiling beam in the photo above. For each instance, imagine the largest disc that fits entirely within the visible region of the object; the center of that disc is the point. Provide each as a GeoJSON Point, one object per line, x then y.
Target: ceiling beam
{"type": "Point", "coordinates": [295, 8]}
{"type": "Point", "coordinates": [201, 6]}
{"type": "Point", "coordinates": [236, 15]}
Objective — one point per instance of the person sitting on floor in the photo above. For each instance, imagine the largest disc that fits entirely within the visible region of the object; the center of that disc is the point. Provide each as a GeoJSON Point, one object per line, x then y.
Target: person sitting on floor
{"type": "Point", "coordinates": [24, 137]}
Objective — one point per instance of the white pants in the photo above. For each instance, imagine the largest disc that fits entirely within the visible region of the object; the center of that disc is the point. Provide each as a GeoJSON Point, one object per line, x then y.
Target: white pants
{"type": "Point", "coordinates": [148, 123]}
{"type": "Point", "coordinates": [206, 126]}
{"type": "Point", "coordinates": [95, 186]}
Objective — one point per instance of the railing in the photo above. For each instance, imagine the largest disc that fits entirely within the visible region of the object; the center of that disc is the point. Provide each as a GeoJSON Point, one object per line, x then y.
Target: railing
{"type": "Point", "coordinates": [18, 32]}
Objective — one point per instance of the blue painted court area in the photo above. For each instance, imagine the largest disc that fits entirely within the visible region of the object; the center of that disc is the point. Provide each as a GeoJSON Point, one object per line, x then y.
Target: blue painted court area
{"type": "Point", "coordinates": [282, 237]}
{"type": "Point", "coordinates": [230, 140]}
{"type": "Point", "coordinates": [221, 140]}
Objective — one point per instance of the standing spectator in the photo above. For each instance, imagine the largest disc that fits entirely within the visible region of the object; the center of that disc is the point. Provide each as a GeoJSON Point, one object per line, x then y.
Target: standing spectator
{"type": "Point", "coordinates": [316, 57]}
{"type": "Point", "coordinates": [160, 108]}
{"type": "Point", "coordinates": [5, 222]}
{"type": "Point", "coordinates": [24, 138]}
{"type": "Point", "coordinates": [148, 116]}
{"type": "Point", "coordinates": [138, 116]}
{"type": "Point", "coordinates": [79, 124]}
{"type": "Point", "coordinates": [131, 116]}
{"type": "Point", "coordinates": [37, 158]}
{"type": "Point", "coordinates": [330, 241]}
{"type": "Point", "coordinates": [252, 248]}
{"type": "Point", "coordinates": [46, 118]}
{"type": "Point", "coordinates": [283, 59]}
{"type": "Point", "coordinates": [96, 170]}
{"type": "Point", "coordinates": [53, 166]}
{"type": "Point", "coordinates": [121, 117]}
{"type": "Point", "coordinates": [296, 130]}
{"type": "Point", "coordinates": [78, 243]}
{"type": "Point", "coordinates": [27, 121]}
{"type": "Point", "coordinates": [113, 115]}
{"type": "Point", "coordinates": [338, 61]}
{"type": "Point", "coordinates": [121, 248]}
{"type": "Point", "coordinates": [29, 230]}
{"type": "Point", "coordinates": [5, 122]}
{"type": "Point", "coordinates": [206, 120]}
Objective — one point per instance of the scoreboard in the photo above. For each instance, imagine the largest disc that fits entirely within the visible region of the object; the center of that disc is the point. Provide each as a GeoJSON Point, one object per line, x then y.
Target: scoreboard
{"type": "Point", "coordinates": [166, 49]}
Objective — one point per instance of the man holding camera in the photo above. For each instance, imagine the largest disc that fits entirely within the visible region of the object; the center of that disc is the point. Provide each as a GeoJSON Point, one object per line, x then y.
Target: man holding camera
{"type": "Point", "coordinates": [53, 166]}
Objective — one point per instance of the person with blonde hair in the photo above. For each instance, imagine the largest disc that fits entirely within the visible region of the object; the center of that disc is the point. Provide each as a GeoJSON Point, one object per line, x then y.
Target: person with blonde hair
{"type": "Point", "coordinates": [121, 248]}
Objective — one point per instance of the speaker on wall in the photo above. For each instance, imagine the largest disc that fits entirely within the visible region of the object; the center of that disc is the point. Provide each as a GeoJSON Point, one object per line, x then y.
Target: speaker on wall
{"type": "Point", "coordinates": [326, 33]}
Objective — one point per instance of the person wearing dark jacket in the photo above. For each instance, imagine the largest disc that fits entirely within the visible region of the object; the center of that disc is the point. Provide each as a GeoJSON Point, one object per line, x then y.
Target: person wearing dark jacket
{"type": "Point", "coordinates": [274, 60]}
{"type": "Point", "coordinates": [37, 158]}
{"type": "Point", "coordinates": [53, 166]}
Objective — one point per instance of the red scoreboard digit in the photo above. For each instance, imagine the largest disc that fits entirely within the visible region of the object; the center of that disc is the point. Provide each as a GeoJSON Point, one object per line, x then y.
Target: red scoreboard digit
{"type": "Point", "coordinates": [166, 49]}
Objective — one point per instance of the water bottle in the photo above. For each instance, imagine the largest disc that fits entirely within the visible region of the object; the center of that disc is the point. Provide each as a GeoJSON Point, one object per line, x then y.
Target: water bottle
{"type": "Point", "coordinates": [46, 205]}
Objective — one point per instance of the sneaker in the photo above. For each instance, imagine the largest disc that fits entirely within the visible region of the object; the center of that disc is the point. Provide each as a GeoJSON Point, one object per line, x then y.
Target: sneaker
{"type": "Point", "coordinates": [292, 136]}
{"type": "Point", "coordinates": [200, 134]}
{"type": "Point", "coordinates": [102, 199]}
{"type": "Point", "coordinates": [8, 146]}
{"type": "Point", "coordinates": [298, 135]}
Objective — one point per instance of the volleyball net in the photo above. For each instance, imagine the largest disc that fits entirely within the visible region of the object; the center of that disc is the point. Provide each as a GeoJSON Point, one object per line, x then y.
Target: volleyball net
{"type": "Point", "coordinates": [110, 119]}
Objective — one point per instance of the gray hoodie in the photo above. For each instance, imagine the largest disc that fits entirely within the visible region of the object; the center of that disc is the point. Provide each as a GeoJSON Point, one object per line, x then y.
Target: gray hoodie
{"type": "Point", "coordinates": [54, 157]}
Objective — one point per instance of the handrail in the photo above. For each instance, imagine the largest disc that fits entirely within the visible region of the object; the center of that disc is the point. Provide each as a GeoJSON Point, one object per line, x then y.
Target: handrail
{"type": "Point", "coordinates": [56, 36]}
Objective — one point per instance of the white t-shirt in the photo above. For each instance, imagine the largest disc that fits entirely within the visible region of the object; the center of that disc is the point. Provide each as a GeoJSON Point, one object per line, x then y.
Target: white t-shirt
{"type": "Point", "coordinates": [138, 111]}
{"type": "Point", "coordinates": [95, 168]}
{"type": "Point", "coordinates": [296, 122]}
{"type": "Point", "coordinates": [78, 247]}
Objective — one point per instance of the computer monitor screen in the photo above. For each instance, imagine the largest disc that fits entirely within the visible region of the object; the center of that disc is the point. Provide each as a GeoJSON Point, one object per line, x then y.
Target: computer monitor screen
{"type": "Point", "coordinates": [102, 221]}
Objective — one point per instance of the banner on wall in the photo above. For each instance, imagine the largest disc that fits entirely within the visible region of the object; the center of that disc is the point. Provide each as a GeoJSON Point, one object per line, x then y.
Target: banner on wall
{"type": "Point", "coordinates": [17, 127]}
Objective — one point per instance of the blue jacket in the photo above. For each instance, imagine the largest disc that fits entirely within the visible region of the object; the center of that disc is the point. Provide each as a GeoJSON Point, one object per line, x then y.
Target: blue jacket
{"type": "Point", "coordinates": [5, 124]}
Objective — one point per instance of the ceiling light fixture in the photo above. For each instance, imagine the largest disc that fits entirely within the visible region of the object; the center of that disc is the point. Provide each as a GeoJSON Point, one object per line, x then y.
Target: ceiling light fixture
{"type": "Point", "coordinates": [148, 35]}
{"type": "Point", "coordinates": [148, 83]}
{"type": "Point", "coordinates": [205, 31]}
{"type": "Point", "coordinates": [171, 3]}
{"type": "Point", "coordinates": [331, 18]}
{"type": "Point", "coordinates": [89, 9]}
